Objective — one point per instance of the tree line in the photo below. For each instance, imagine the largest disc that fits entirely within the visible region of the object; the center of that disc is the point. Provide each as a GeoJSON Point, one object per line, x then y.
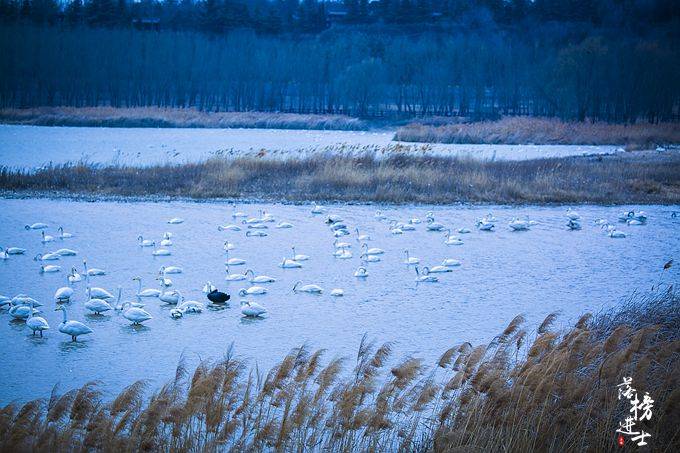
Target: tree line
{"type": "Point", "coordinates": [479, 66]}
{"type": "Point", "coordinates": [312, 16]}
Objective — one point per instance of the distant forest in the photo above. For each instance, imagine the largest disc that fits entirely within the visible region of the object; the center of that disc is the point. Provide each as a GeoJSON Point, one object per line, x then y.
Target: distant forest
{"type": "Point", "coordinates": [612, 60]}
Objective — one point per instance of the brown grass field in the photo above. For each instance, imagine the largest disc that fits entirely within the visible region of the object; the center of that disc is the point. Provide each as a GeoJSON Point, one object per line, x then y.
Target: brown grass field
{"type": "Point", "coordinates": [400, 178]}
{"type": "Point", "coordinates": [530, 389]}
{"type": "Point", "coordinates": [544, 131]}
{"type": "Point", "coordinates": [173, 117]}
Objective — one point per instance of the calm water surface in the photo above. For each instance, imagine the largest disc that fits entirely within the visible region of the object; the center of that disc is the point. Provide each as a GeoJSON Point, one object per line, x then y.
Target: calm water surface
{"type": "Point", "coordinates": [34, 146]}
{"type": "Point", "coordinates": [503, 273]}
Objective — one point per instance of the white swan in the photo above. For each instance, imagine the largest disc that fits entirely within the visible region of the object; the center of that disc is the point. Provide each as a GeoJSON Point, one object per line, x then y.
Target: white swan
{"type": "Point", "coordinates": [234, 277]}
{"type": "Point", "coordinates": [46, 238]}
{"type": "Point", "coordinates": [572, 215]}
{"type": "Point", "coordinates": [379, 215]}
{"type": "Point", "coordinates": [425, 278]}
{"type": "Point", "coordinates": [3, 254]}
{"type": "Point", "coordinates": [47, 257]}
{"type": "Point", "coordinates": [228, 246]}
{"type": "Point", "coordinates": [258, 226]}
{"type": "Point", "coordinates": [66, 252]}
{"type": "Point", "coordinates": [37, 226]}
{"type": "Point", "coordinates": [255, 233]}
{"type": "Point", "coordinates": [36, 323]}
{"type": "Point", "coordinates": [436, 270]}
{"type": "Point", "coordinates": [290, 264]}
{"type": "Point", "coordinates": [519, 225]}
{"type": "Point", "coordinates": [94, 272]}
{"type": "Point", "coordinates": [252, 309]}
{"type": "Point", "coordinates": [410, 260]}
{"type": "Point", "coordinates": [372, 250]}
{"type": "Point", "coordinates": [15, 251]}
{"type": "Point", "coordinates": [333, 218]}
{"type": "Point", "coordinates": [317, 209]}
{"type": "Point", "coordinates": [63, 234]}
{"type": "Point", "coordinates": [144, 242]}
{"type": "Point", "coordinates": [298, 257]}
{"type": "Point", "coordinates": [170, 270]}
{"type": "Point", "coordinates": [370, 258]}
{"type": "Point", "coordinates": [72, 328]}
{"type": "Point", "coordinates": [452, 240]}
{"type": "Point", "coordinates": [312, 289]}
{"type": "Point", "coordinates": [22, 311]}
{"type": "Point", "coordinates": [135, 315]}
{"type": "Point", "coordinates": [191, 306]}
{"type": "Point", "coordinates": [361, 272]}
{"type": "Point", "coordinates": [343, 254]}
{"type": "Point", "coordinates": [341, 232]}
{"type": "Point", "coordinates": [98, 306]}
{"type": "Point", "coordinates": [164, 281]}
{"type": "Point", "coordinates": [160, 252]}
{"type": "Point", "coordinates": [97, 293]}
{"type": "Point", "coordinates": [74, 276]}
{"type": "Point", "coordinates": [434, 226]}
{"type": "Point", "coordinates": [208, 287]}
{"type": "Point", "coordinates": [450, 262]}
{"type": "Point", "coordinates": [341, 245]}
{"type": "Point", "coordinates": [171, 297]}
{"type": "Point", "coordinates": [464, 230]}
{"type": "Point", "coordinates": [234, 261]}
{"type": "Point", "coordinates": [149, 292]}
{"type": "Point", "coordinates": [165, 242]}
{"type": "Point", "coordinates": [63, 294]}
{"type": "Point", "coordinates": [49, 269]}
{"type": "Point", "coordinates": [253, 290]}
{"type": "Point", "coordinates": [362, 237]}
{"type": "Point", "coordinates": [614, 233]}
{"type": "Point", "coordinates": [229, 227]}
{"type": "Point", "coordinates": [414, 221]}
{"type": "Point", "coordinates": [258, 278]}
{"type": "Point", "coordinates": [23, 299]}
{"type": "Point", "coordinates": [237, 214]}
{"type": "Point", "coordinates": [284, 225]}
{"type": "Point", "coordinates": [485, 224]}
{"type": "Point", "coordinates": [337, 292]}
{"type": "Point", "coordinates": [175, 221]}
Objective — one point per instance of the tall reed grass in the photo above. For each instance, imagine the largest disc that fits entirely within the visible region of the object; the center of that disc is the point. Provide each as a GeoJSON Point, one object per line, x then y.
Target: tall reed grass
{"type": "Point", "coordinates": [544, 131]}
{"type": "Point", "coordinates": [540, 389]}
{"type": "Point", "coordinates": [174, 117]}
{"type": "Point", "coordinates": [399, 178]}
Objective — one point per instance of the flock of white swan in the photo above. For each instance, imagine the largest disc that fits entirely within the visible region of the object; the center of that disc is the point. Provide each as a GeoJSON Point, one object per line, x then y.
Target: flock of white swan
{"type": "Point", "coordinates": [99, 300]}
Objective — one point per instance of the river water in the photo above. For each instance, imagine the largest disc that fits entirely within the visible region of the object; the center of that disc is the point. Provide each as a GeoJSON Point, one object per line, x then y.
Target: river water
{"type": "Point", "coordinates": [503, 273]}
{"type": "Point", "coordinates": [34, 146]}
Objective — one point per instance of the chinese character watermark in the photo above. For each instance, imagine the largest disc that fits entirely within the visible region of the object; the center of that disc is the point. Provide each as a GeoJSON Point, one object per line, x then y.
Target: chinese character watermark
{"type": "Point", "coordinates": [639, 410]}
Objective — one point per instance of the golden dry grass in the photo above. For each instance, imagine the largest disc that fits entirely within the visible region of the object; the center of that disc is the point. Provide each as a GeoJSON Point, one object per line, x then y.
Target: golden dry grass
{"type": "Point", "coordinates": [400, 178]}
{"type": "Point", "coordinates": [548, 390]}
{"type": "Point", "coordinates": [521, 130]}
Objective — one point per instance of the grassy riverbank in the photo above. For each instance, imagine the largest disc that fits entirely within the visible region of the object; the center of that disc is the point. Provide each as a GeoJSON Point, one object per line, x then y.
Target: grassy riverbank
{"type": "Point", "coordinates": [527, 390]}
{"type": "Point", "coordinates": [162, 117]}
{"type": "Point", "coordinates": [544, 131]}
{"type": "Point", "coordinates": [617, 179]}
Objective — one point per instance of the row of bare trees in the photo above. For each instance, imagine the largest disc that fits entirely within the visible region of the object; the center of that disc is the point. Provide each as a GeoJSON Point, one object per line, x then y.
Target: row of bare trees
{"type": "Point", "coordinates": [362, 74]}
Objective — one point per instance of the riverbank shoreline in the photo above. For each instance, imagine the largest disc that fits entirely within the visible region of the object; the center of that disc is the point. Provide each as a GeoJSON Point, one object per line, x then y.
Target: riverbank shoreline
{"type": "Point", "coordinates": [647, 178]}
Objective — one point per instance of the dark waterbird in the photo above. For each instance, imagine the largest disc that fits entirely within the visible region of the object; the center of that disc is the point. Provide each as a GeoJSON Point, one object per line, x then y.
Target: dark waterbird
{"type": "Point", "coordinates": [218, 297]}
